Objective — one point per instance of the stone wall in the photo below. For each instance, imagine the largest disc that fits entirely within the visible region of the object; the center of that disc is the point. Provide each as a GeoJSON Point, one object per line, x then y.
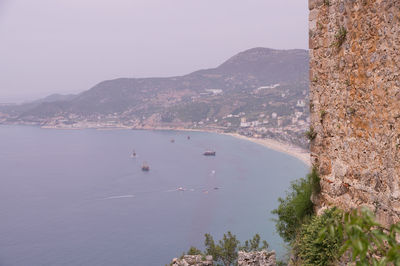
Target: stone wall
{"type": "Point", "coordinates": [355, 103]}
{"type": "Point", "coordinates": [195, 260]}
{"type": "Point", "coordinates": [257, 258]}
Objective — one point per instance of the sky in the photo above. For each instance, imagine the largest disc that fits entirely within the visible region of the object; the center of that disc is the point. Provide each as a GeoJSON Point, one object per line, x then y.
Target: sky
{"type": "Point", "coordinates": [68, 46]}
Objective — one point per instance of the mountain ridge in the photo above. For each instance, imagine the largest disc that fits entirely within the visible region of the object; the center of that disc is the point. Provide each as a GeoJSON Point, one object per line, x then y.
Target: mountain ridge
{"type": "Point", "coordinates": [258, 81]}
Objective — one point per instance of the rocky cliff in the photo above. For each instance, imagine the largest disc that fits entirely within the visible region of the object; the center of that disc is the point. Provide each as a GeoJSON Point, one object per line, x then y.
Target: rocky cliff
{"type": "Point", "coordinates": [355, 103]}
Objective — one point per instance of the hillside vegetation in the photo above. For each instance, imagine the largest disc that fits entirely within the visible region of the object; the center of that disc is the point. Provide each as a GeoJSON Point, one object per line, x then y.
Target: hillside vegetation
{"type": "Point", "coordinates": [259, 92]}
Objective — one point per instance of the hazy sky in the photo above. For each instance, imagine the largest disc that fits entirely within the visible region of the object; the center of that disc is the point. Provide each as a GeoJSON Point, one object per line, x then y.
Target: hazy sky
{"type": "Point", "coordinates": [67, 46]}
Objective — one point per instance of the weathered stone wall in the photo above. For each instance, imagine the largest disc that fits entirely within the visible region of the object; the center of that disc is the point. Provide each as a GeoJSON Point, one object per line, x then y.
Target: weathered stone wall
{"type": "Point", "coordinates": [257, 258]}
{"type": "Point", "coordinates": [195, 260]}
{"type": "Point", "coordinates": [355, 103]}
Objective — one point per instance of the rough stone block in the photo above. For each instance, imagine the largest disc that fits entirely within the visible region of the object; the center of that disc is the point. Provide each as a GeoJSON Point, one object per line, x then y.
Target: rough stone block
{"type": "Point", "coordinates": [257, 258]}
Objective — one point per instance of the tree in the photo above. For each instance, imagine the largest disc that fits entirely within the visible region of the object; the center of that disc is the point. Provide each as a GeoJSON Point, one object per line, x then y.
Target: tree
{"type": "Point", "coordinates": [293, 210]}
{"type": "Point", "coordinates": [310, 248]}
{"type": "Point", "coordinates": [297, 207]}
{"type": "Point", "coordinates": [254, 244]}
{"type": "Point", "coordinates": [226, 250]}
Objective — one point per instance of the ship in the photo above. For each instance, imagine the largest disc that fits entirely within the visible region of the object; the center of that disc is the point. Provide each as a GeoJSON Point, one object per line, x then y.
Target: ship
{"type": "Point", "coordinates": [188, 137]}
{"type": "Point", "coordinates": [145, 167]}
{"type": "Point", "coordinates": [133, 153]}
{"type": "Point", "coordinates": [209, 153]}
{"type": "Point", "coordinates": [172, 140]}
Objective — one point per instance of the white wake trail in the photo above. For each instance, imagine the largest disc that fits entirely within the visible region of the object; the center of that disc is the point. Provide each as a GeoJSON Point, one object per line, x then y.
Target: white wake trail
{"type": "Point", "coordinates": [120, 197]}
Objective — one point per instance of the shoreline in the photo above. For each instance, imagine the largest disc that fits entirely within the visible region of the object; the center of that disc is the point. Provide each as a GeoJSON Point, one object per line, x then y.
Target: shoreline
{"type": "Point", "coordinates": [275, 145]}
{"type": "Point", "coordinates": [291, 150]}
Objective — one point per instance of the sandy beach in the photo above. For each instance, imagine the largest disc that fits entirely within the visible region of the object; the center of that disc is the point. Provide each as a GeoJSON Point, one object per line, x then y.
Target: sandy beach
{"type": "Point", "coordinates": [272, 144]}
{"type": "Point", "coordinates": [297, 152]}
{"type": "Point", "coordinates": [294, 151]}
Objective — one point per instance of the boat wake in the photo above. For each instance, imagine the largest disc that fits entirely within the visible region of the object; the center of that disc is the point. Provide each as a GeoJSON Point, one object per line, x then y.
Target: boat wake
{"type": "Point", "coordinates": [120, 197]}
{"type": "Point", "coordinates": [179, 189]}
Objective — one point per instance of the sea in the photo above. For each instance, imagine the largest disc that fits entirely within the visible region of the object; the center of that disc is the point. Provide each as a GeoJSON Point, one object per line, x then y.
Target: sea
{"type": "Point", "coordinates": [78, 197]}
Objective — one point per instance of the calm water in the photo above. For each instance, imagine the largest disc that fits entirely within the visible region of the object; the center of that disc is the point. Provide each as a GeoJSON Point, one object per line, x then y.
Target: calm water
{"type": "Point", "coordinates": [78, 198]}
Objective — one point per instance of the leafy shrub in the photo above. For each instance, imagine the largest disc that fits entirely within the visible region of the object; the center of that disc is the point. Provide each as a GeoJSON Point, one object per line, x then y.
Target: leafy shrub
{"type": "Point", "coordinates": [367, 241]}
{"type": "Point", "coordinates": [297, 207]}
{"type": "Point", "coordinates": [281, 263]}
{"type": "Point", "coordinates": [313, 249]}
{"type": "Point", "coordinates": [322, 114]}
{"type": "Point", "coordinates": [311, 134]}
{"type": "Point", "coordinates": [314, 180]}
{"type": "Point", "coordinates": [194, 251]}
{"type": "Point", "coordinates": [340, 37]}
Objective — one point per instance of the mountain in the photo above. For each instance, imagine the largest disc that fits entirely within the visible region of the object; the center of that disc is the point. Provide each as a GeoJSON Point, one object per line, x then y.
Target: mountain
{"type": "Point", "coordinates": [55, 98]}
{"type": "Point", "coordinates": [265, 85]}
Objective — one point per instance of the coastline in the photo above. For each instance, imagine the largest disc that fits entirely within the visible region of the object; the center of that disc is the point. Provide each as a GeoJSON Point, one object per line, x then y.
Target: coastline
{"type": "Point", "coordinates": [291, 150]}
{"type": "Point", "coordinates": [275, 145]}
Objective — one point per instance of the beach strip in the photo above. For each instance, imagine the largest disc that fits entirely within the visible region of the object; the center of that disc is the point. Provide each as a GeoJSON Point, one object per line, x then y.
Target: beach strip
{"type": "Point", "coordinates": [294, 151]}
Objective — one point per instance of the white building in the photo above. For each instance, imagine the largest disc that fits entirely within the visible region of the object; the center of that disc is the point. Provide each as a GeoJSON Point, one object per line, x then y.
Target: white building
{"type": "Point", "coordinates": [244, 124]}
{"type": "Point", "coordinates": [301, 103]}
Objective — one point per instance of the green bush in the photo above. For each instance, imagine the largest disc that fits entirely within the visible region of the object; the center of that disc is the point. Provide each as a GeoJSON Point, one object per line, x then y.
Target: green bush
{"type": "Point", "coordinates": [340, 37]}
{"type": "Point", "coordinates": [194, 251]}
{"type": "Point", "coordinates": [297, 207]}
{"type": "Point", "coordinates": [311, 134]}
{"type": "Point", "coordinates": [366, 241]}
{"type": "Point", "coordinates": [314, 180]}
{"type": "Point", "coordinates": [312, 249]}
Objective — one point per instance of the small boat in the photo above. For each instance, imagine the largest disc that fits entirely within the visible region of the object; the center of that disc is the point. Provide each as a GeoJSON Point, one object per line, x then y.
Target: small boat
{"type": "Point", "coordinates": [172, 140]}
{"type": "Point", "coordinates": [188, 137]}
{"type": "Point", "coordinates": [133, 153]}
{"type": "Point", "coordinates": [180, 189]}
{"type": "Point", "coordinates": [145, 167]}
{"type": "Point", "coordinates": [209, 153]}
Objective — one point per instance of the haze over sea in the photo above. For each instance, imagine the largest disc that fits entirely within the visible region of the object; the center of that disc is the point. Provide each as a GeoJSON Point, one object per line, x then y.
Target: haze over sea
{"type": "Point", "coordinates": [76, 197]}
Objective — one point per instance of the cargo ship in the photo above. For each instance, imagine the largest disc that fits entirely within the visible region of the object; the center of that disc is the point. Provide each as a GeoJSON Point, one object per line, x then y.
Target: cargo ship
{"type": "Point", "coordinates": [209, 153]}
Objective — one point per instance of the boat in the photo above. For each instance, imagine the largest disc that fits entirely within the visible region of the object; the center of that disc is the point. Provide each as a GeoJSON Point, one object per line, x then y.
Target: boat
{"type": "Point", "coordinates": [145, 167]}
{"type": "Point", "coordinates": [172, 140]}
{"type": "Point", "coordinates": [188, 137]}
{"type": "Point", "coordinates": [180, 189]}
{"type": "Point", "coordinates": [133, 153]}
{"type": "Point", "coordinates": [209, 153]}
